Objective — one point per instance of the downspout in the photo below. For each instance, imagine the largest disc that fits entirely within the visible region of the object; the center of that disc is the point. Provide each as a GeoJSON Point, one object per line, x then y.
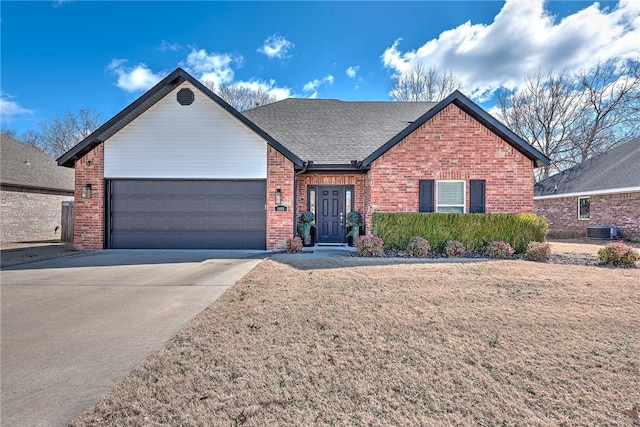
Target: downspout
{"type": "Point", "coordinates": [295, 194]}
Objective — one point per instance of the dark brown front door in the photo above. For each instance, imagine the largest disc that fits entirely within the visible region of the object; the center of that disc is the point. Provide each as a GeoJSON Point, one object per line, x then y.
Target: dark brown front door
{"type": "Point", "coordinates": [331, 214]}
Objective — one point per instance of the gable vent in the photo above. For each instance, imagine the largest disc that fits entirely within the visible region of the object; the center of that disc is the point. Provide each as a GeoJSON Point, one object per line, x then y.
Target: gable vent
{"type": "Point", "coordinates": [185, 96]}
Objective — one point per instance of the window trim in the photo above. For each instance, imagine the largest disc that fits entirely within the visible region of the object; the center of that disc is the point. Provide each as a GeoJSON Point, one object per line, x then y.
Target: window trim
{"type": "Point", "coordinates": [464, 195]}
{"type": "Point", "coordinates": [580, 218]}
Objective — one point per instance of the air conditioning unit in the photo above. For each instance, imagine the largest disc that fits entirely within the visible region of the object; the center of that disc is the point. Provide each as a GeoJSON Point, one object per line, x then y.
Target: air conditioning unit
{"type": "Point", "coordinates": [602, 232]}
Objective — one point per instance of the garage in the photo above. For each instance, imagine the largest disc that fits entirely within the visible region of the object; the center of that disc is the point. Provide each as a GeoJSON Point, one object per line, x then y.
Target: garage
{"type": "Point", "coordinates": [186, 214]}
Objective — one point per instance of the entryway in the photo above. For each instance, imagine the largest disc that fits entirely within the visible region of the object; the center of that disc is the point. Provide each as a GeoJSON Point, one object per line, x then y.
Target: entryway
{"type": "Point", "coordinates": [330, 203]}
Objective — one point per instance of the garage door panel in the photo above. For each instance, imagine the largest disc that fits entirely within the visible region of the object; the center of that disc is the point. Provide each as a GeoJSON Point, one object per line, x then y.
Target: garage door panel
{"type": "Point", "coordinates": [187, 214]}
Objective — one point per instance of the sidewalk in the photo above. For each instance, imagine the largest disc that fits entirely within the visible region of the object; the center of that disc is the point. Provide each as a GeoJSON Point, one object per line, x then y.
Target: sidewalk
{"type": "Point", "coordinates": [22, 253]}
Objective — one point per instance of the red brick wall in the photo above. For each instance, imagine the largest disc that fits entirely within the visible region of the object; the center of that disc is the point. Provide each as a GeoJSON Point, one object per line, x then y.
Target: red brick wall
{"type": "Point", "coordinates": [620, 210]}
{"type": "Point", "coordinates": [279, 175]}
{"type": "Point", "coordinates": [323, 178]}
{"type": "Point", "coordinates": [88, 214]}
{"type": "Point", "coordinates": [451, 146]}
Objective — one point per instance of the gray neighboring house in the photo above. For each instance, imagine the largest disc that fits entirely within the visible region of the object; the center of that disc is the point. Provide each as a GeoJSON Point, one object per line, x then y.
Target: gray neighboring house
{"type": "Point", "coordinates": [32, 189]}
{"type": "Point", "coordinates": [604, 190]}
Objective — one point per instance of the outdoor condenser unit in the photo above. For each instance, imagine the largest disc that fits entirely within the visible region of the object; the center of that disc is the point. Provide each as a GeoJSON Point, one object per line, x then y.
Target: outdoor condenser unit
{"type": "Point", "coordinates": [602, 232]}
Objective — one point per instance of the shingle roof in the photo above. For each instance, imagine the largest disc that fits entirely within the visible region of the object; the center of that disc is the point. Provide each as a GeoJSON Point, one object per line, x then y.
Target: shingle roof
{"type": "Point", "coordinates": [614, 169]}
{"type": "Point", "coordinates": [26, 166]}
{"type": "Point", "coordinates": [328, 131]}
{"type": "Point", "coordinates": [332, 132]}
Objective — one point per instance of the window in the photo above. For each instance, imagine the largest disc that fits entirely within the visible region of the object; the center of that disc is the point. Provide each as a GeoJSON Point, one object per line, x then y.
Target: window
{"type": "Point", "coordinates": [477, 192]}
{"type": "Point", "coordinates": [450, 196]}
{"type": "Point", "coordinates": [347, 201]}
{"type": "Point", "coordinates": [584, 207]}
{"type": "Point", "coordinates": [312, 201]}
{"type": "Point", "coordinates": [426, 195]}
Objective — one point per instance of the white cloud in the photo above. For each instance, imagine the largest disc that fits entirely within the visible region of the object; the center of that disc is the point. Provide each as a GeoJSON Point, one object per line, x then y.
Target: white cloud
{"type": "Point", "coordinates": [352, 71]}
{"type": "Point", "coordinates": [57, 3]}
{"type": "Point", "coordinates": [134, 79]}
{"type": "Point", "coordinates": [522, 39]}
{"type": "Point", "coordinates": [268, 86]}
{"type": "Point", "coordinates": [313, 85]}
{"type": "Point", "coordinates": [165, 46]}
{"type": "Point", "coordinates": [276, 46]}
{"type": "Point", "coordinates": [10, 109]}
{"type": "Point", "coordinates": [213, 67]}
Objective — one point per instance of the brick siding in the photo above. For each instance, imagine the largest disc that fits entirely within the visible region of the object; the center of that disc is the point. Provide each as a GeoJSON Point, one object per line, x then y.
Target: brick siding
{"type": "Point", "coordinates": [619, 210]}
{"type": "Point", "coordinates": [88, 214]}
{"type": "Point", "coordinates": [450, 146]}
{"type": "Point", "coordinates": [280, 174]}
{"type": "Point", "coordinates": [322, 178]}
{"type": "Point", "coordinates": [31, 214]}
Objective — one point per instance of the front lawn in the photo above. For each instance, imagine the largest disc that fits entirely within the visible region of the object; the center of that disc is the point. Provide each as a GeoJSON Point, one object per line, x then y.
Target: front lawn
{"type": "Point", "coordinates": [490, 343]}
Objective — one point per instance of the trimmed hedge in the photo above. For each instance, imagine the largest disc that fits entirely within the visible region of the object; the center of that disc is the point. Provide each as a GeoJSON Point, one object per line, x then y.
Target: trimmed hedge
{"type": "Point", "coordinates": [474, 230]}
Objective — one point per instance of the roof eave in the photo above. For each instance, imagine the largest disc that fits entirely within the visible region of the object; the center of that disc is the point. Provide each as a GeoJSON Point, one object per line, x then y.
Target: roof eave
{"type": "Point", "coordinates": [94, 139]}
{"type": "Point", "coordinates": [37, 187]}
{"type": "Point", "coordinates": [596, 192]}
{"type": "Point", "coordinates": [479, 114]}
{"type": "Point", "coordinates": [336, 167]}
{"type": "Point", "coordinates": [173, 80]}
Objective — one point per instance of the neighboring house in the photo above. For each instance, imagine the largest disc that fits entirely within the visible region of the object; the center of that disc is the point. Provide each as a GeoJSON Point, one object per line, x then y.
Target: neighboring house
{"type": "Point", "coordinates": [32, 189]}
{"type": "Point", "coordinates": [603, 190]}
{"type": "Point", "coordinates": [180, 168]}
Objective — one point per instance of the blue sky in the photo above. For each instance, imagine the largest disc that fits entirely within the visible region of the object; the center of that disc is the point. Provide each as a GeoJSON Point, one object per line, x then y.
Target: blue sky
{"type": "Point", "coordinates": [65, 55]}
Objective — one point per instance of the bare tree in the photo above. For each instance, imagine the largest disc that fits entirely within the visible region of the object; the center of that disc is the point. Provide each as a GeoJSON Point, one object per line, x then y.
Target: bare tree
{"type": "Point", "coordinates": [573, 117]}
{"type": "Point", "coordinates": [30, 137]}
{"type": "Point", "coordinates": [58, 135]}
{"type": "Point", "coordinates": [611, 113]}
{"type": "Point", "coordinates": [544, 112]}
{"type": "Point", "coordinates": [241, 97]}
{"type": "Point", "coordinates": [423, 84]}
{"type": "Point", "coordinates": [9, 133]}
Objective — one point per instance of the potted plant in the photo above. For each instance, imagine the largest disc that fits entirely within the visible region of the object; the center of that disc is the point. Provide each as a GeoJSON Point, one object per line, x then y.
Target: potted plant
{"type": "Point", "coordinates": [354, 220]}
{"type": "Point", "coordinates": [307, 220]}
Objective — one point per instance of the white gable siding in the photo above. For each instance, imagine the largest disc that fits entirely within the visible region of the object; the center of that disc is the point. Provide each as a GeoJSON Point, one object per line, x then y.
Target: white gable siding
{"type": "Point", "coordinates": [201, 140]}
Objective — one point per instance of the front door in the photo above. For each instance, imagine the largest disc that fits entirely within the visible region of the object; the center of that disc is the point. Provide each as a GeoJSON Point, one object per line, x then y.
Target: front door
{"type": "Point", "coordinates": [331, 214]}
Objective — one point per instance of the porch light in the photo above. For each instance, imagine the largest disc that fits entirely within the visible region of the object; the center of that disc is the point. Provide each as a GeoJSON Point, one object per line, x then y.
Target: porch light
{"type": "Point", "coordinates": [278, 196]}
{"type": "Point", "coordinates": [86, 191]}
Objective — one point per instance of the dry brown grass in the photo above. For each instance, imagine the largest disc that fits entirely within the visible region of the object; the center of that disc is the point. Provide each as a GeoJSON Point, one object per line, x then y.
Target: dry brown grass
{"type": "Point", "coordinates": [488, 343]}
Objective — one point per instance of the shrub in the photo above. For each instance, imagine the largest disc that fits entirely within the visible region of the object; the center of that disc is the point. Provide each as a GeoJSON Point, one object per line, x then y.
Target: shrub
{"type": "Point", "coordinates": [418, 247]}
{"type": "Point", "coordinates": [453, 248]}
{"type": "Point", "coordinates": [537, 251]}
{"type": "Point", "coordinates": [354, 221]}
{"type": "Point", "coordinates": [294, 245]}
{"type": "Point", "coordinates": [307, 220]}
{"type": "Point", "coordinates": [369, 246]}
{"type": "Point", "coordinates": [498, 250]}
{"type": "Point", "coordinates": [307, 217]}
{"type": "Point", "coordinates": [471, 229]}
{"type": "Point", "coordinates": [618, 254]}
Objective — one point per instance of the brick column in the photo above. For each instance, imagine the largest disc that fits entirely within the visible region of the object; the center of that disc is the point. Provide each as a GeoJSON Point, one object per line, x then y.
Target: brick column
{"type": "Point", "coordinates": [280, 174]}
{"type": "Point", "coordinates": [88, 213]}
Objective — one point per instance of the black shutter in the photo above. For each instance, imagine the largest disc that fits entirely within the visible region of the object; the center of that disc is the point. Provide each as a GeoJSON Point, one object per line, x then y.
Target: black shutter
{"type": "Point", "coordinates": [477, 195]}
{"type": "Point", "coordinates": [426, 195]}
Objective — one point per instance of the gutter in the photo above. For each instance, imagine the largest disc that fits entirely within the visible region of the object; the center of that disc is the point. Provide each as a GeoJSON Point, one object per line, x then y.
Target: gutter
{"type": "Point", "coordinates": [588, 193]}
{"type": "Point", "coordinates": [295, 192]}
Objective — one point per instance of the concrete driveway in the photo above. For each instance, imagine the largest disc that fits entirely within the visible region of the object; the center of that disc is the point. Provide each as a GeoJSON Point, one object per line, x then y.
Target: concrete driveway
{"type": "Point", "coordinates": [72, 328]}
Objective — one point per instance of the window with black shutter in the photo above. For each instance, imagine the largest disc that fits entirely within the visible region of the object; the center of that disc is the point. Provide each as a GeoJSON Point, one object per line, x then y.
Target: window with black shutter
{"type": "Point", "coordinates": [477, 196]}
{"type": "Point", "coordinates": [426, 195]}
